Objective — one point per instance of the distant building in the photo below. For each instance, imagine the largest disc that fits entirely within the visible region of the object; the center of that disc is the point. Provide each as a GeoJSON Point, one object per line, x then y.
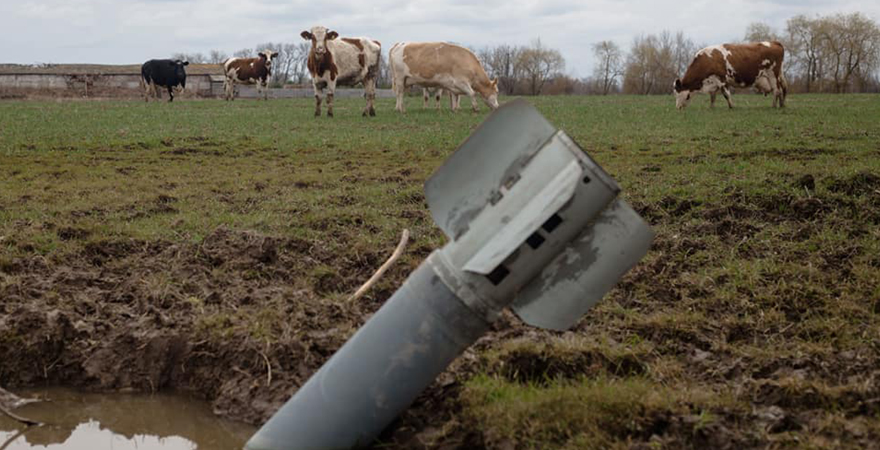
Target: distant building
{"type": "Point", "coordinates": [93, 80]}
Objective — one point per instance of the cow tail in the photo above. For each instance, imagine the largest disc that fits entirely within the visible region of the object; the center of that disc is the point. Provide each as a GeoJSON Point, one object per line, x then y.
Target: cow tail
{"type": "Point", "coordinates": [144, 77]}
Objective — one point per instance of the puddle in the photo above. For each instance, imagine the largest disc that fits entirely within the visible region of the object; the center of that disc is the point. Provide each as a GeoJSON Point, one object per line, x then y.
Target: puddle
{"type": "Point", "coordinates": [86, 421]}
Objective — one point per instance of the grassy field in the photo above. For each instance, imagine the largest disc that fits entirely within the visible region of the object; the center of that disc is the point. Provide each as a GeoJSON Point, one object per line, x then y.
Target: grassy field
{"type": "Point", "coordinates": [198, 244]}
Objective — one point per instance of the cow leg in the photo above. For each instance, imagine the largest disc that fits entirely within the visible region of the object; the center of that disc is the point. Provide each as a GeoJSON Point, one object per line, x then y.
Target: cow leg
{"type": "Point", "coordinates": [776, 92]}
{"type": "Point", "coordinates": [331, 91]}
{"type": "Point", "coordinates": [230, 90]}
{"type": "Point", "coordinates": [318, 94]}
{"type": "Point", "coordinates": [170, 94]}
{"type": "Point", "coordinates": [425, 96]}
{"type": "Point", "coordinates": [783, 90]}
{"type": "Point", "coordinates": [712, 98]}
{"type": "Point", "coordinates": [438, 98]}
{"type": "Point", "coordinates": [152, 91]}
{"type": "Point", "coordinates": [473, 95]}
{"type": "Point", "coordinates": [370, 94]}
{"type": "Point", "coordinates": [266, 90]}
{"type": "Point", "coordinates": [726, 93]}
{"type": "Point", "coordinates": [399, 87]}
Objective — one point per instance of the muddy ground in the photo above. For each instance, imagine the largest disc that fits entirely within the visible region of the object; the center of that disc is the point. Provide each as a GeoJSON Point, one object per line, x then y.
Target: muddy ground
{"type": "Point", "coordinates": [153, 316]}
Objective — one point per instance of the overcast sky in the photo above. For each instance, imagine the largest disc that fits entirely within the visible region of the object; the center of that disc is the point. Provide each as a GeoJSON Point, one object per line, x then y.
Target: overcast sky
{"type": "Point", "coordinates": [132, 31]}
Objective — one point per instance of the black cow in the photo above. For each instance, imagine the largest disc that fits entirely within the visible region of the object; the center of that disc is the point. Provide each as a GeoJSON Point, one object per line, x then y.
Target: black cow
{"type": "Point", "coordinates": [168, 73]}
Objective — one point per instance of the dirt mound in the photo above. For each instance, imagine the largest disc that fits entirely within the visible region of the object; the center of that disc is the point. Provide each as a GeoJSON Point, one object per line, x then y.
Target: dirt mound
{"type": "Point", "coordinates": [129, 314]}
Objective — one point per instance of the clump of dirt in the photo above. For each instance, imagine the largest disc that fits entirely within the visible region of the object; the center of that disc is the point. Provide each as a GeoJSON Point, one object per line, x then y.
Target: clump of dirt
{"type": "Point", "coordinates": [806, 182]}
{"type": "Point", "coordinates": [70, 233]}
{"type": "Point", "coordinates": [540, 365]}
{"type": "Point", "coordinates": [859, 184]}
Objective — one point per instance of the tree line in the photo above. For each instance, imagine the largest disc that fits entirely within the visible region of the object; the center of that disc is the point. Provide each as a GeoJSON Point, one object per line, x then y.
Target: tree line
{"type": "Point", "coordinates": [835, 53]}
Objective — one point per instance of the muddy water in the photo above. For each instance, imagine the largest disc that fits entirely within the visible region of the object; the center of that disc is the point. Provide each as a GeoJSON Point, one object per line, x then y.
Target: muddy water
{"type": "Point", "coordinates": [85, 421]}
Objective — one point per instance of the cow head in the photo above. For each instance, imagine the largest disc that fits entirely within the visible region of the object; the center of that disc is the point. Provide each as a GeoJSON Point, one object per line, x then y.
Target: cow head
{"type": "Point", "coordinates": [267, 56]}
{"type": "Point", "coordinates": [488, 92]}
{"type": "Point", "coordinates": [682, 96]}
{"type": "Point", "coordinates": [319, 37]}
{"type": "Point", "coordinates": [492, 100]}
{"type": "Point", "coordinates": [179, 71]}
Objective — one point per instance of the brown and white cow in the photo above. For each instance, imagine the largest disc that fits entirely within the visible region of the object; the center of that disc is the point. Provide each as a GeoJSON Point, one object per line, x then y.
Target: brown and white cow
{"type": "Point", "coordinates": [440, 64]}
{"type": "Point", "coordinates": [249, 71]}
{"type": "Point", "coordinates": [342, 62]}
{"type": "Point", "coordinates": [716, 68]}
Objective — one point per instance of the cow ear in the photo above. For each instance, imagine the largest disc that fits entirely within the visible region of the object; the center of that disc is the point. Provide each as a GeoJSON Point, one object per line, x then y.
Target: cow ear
{"type": "Point", "coordinates": [495, 82]}
{"type": "Point", "coordinates": [332, 35]}
{"type": "Point", "coordinates": [186, 63]}
{"type": "Point", "coordinates": [307, 36]}
{"type": "Point", "coordinates": [274, 54]}
{"type": "Point", "coordinates": [677, 84]}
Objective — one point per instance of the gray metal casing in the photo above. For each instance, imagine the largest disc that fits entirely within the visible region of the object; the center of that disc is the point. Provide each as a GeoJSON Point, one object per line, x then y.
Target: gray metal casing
{"type": "Point", "coordinates": [516, 196]}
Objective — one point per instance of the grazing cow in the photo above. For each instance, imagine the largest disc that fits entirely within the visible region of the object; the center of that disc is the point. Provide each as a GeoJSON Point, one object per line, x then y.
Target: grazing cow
{"type": "Point", "coordinates": [167, 73]}
{"type": "Point", "coordinates": [439, 64]}
{"type": "Point", "coordinates": [249, 71]}
{"type": "Point", "coordinates": [757, 65]}
{"type": "Point", "coordinates": [342, 62]}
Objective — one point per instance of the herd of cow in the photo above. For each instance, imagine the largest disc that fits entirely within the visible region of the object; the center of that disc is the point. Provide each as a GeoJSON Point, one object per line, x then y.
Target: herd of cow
{"type": "Point", "coordinates": [439, 66]}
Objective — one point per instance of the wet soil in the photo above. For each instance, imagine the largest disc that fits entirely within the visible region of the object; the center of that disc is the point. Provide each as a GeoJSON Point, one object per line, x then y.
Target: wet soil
{"type": "Point", "coordinates": [243, 319]}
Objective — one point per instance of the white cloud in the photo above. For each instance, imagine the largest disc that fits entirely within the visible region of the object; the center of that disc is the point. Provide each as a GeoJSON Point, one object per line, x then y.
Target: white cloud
{"type": "Point", "coordinates": [131, 31]}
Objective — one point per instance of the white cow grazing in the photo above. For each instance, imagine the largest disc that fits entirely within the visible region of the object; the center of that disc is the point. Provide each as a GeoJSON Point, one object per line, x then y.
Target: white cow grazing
{"type": "Point", "coordinates": [342, 62]}
{"type": "Point", "coordinates": [440, 64]}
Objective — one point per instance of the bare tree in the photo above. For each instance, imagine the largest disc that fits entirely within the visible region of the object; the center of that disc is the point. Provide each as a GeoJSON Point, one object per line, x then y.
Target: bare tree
{"type": "Point", "coordinates": [760, 32]}
{"type": "Point", "coordinates": [683, 51]}
{"type": "Point", "coordinates": [501, 63]}
{"type": "Point", "coordinates": [840, 53]}
{"type": "Point", "coordinates": [804, 47]}
{"type": "Point", "coordinates": [537, 64]}
{"type": "Point", "coordinates": [609, 66]}
{"type": "Point", "coordinates": [299, 68]}
{"type": "Point", "coordinates": [245, 53]}
{"type": "Point", "coordinates": [851, 44]}
{"type": "Point", "coordinates": [217, 57]}
{"type": "Point", "coordinates": [655, 61]}
{"type": "Point", "coordinates": [193, 58]}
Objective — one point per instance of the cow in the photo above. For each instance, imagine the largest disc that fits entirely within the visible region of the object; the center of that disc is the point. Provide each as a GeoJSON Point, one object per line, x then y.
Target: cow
{"type": "Point", "coordinates": [440, 64]}
{"type": "Point", "coordinates": [716, 68]}
{"type": "Point", "coordinates": [437, 93]}
{"type": "Point", "coordinates": [167, 73]}
{"type": "Point", "coordinates": [249, 71]}
{"type": "Point", "coordinates": [342, 62]}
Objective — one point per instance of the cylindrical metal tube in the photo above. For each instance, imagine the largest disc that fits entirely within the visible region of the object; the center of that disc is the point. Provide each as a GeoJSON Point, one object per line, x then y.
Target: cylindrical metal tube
{"type": "Point", "coordinates": [379, 372]}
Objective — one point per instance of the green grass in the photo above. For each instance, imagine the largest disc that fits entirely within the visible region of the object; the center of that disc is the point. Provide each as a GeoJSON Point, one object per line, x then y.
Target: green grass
{"type": "Point", "coordinates": [761, 290]}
